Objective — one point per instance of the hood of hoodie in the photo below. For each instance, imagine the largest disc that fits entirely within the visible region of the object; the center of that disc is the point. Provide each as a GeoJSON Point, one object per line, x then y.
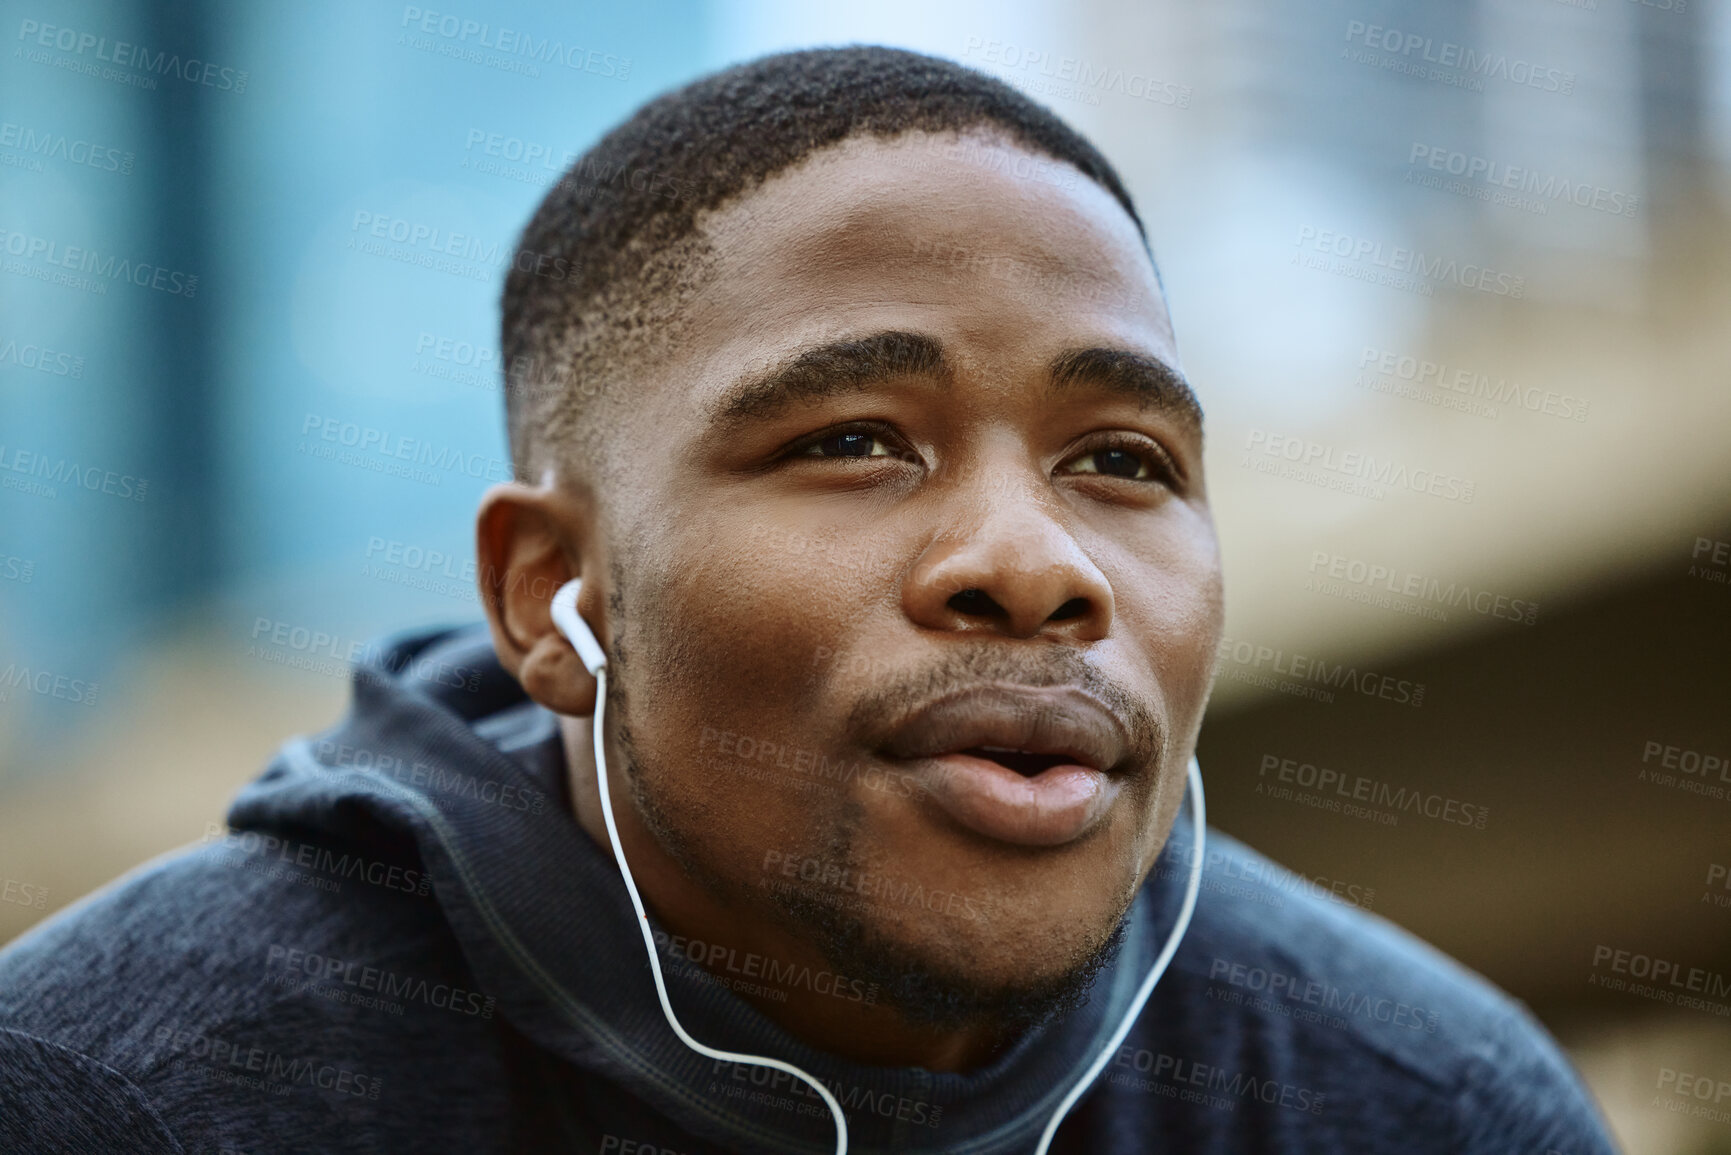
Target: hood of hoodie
{"type": "Point", "coordinates": [442, 747]}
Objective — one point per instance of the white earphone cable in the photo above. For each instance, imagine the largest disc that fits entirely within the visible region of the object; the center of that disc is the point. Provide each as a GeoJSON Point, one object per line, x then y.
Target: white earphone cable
{"type": "Point", "coordinates": [582, 639]}
{"type": "Point", "coordinates": [1199, 827]}
{"type": "Point", "coordinates": [571, 624]}
{"type": "Point", "coordinates": [649, 937]}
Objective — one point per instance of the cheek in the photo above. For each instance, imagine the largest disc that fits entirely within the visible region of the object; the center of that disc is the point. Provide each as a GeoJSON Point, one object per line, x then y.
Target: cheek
{"type": "Point", "coordinates": [766, 622]}
{"type": "Point", "coordinates": [727, 658]}
{"type": "Point", "coordinates": [1189, 623]}
{"type": "Point", "coordinates": [1170, 612]}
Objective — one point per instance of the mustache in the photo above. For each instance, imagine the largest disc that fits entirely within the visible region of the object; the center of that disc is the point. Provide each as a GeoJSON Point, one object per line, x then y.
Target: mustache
{"type": "Point", "coordinates": [900, 695]}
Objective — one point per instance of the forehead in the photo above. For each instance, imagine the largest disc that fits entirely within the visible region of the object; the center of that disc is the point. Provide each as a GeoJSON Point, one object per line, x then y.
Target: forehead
{"type": "Point", "coordinates": [978, 241]}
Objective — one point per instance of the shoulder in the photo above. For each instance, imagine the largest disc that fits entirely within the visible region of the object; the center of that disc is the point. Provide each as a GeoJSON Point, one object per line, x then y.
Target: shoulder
{"type": "Point", "coordinates": [1293, 978]}
{"type": "Point", "coordinates": [1285, 940]}
{"type": "Point", "coordinates": [237, 981]}
{"type": "Point", "coordinates": [56, 1100]}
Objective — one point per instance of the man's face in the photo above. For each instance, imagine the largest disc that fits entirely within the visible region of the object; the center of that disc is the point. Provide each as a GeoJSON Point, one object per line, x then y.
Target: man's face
{"type": "Point", "coordinates": [918, 587]}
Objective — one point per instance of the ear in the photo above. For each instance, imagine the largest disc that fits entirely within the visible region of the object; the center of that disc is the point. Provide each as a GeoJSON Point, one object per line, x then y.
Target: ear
{"type": "Point", "coordinates": [529, 541]}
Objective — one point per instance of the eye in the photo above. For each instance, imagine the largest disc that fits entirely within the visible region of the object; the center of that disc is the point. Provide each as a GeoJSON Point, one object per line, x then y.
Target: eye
{"type": "Point", "coordinates": [1133, 460]}
{"type": "Point", "coordinates": [849, 443]}
{"type": "Point", "coordinates": [1113, 463]}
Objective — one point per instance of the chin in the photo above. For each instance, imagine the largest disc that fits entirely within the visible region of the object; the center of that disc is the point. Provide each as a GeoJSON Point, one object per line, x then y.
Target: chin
{"type": "Point", "coordinates": [947, 973]}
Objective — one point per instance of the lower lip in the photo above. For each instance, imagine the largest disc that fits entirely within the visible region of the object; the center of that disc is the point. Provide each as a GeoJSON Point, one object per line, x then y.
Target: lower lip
{"type": "Point", "coordinates": [1056, 806]}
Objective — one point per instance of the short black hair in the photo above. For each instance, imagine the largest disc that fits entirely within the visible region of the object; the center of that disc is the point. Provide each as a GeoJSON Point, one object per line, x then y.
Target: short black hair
{"type": "Point", "coordinates": [602, 264]}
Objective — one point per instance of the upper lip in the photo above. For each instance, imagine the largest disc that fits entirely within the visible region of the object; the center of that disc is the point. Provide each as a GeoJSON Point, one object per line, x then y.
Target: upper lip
{"type": "Point", "coordinates": [1061, 720]}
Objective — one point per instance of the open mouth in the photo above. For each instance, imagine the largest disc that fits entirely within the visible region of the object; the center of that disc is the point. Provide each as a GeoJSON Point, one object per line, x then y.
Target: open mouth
{"type": "Point", "coordinates": [1024, 765]}
{"type": "Point", "coordinates": [1023, 762]}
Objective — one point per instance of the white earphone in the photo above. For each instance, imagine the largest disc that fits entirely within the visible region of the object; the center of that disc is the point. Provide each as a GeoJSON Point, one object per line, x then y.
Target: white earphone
{"type": "Point", "coordinates": [582, 639]}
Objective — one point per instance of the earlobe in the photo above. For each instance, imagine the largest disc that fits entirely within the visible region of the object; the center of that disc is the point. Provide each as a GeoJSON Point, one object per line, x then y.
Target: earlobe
{"type": "Point", "coordinates": [553, 676]}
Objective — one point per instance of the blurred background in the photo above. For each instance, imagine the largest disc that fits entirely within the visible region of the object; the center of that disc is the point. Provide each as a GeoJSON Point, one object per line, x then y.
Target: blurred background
{"type": "Point", "coordinates": [1452, 281]}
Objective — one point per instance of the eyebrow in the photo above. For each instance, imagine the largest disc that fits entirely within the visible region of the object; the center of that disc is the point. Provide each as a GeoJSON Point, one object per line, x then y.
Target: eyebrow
{"type": "Point", "coordinates": [834, 369]}
{"type": "Point", "coordinates": [855, 365]}
{"type": "Point", "coordinates": [1148, 381]}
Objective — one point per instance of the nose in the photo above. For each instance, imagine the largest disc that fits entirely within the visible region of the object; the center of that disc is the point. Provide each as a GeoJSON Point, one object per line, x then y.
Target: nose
{"type": "Point", "coordinates": [1015, 570]}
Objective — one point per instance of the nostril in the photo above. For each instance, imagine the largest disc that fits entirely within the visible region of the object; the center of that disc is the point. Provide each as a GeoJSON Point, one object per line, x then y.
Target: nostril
{"type": "Point", "coordinates": [1074, 608]}
{"type": "Point", "coordinates": [976, 603]}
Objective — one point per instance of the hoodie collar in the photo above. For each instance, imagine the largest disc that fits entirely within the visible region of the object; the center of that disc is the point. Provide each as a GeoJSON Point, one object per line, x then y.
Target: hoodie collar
{"type": "Point", "coordinates": [442, 744]}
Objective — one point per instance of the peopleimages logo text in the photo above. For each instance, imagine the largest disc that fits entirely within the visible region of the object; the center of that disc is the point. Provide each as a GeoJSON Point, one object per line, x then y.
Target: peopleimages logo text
{"type": "Point", "coordinates": [1086, 75]}
{"type": "Point", "coordinates": [1363, 467]}
{"type": "Point", "coordinates": [1359, 788]}
{"type": "Point", "coordinates": [63, 472]}
{"type": "Point", "coordinates": [1308, 673]}
{"type": "Point", "coordinates": [125, 55]}
{"type": "Point", "coordinates": [1526, 180]}
{"type": "Point", "coordinates": [40, 358]}
{"type": "Point", "coordinates": [513, 42]}
{"type": "Point", "coordinates": [144, 274]}
{"type": "Point", "coordinates": [1375, 577]}
{"type": "Point", "coordinates": [58, 146]}
{"type": "Point", "coordinates": [1469, 61]}
{"type": "Point", "coordinates": [368, 439]}
{"type": "Point", "coordinates": [1472, 384]}
{"type": "Point", "coordinates": [1398, 259]}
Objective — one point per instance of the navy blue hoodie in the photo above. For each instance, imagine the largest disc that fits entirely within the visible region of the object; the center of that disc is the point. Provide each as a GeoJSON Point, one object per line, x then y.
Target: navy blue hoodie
{"type": "Point", "coordinates": [403, 942]}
